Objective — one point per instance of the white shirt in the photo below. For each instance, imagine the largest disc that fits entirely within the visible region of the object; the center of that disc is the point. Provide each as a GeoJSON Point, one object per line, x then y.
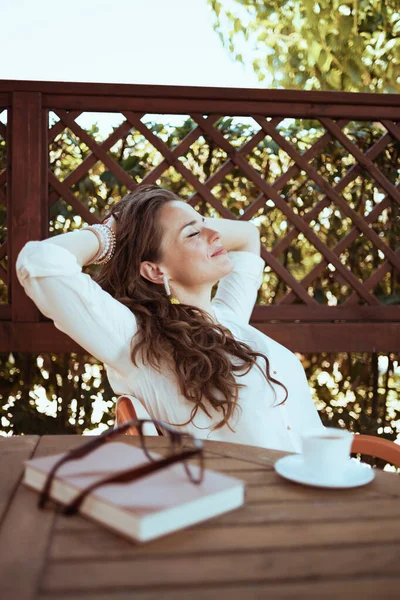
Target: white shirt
{"type": "Point", "coordinates": [104, 327]}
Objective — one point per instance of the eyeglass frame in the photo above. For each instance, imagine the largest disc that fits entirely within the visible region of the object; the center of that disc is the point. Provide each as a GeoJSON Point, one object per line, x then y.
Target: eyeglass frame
{"type": "Point", "coordinates": [133, 473]}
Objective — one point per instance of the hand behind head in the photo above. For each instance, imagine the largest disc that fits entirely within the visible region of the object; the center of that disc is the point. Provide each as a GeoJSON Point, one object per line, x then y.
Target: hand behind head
{"type": "Point", "coordinates": [111, 223]}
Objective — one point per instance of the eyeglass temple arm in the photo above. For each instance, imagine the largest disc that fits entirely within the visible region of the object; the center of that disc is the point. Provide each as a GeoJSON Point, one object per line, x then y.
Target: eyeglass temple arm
{"type": "Point", "coordinates": [129, 475]}
{"type": "Point", "coordinates": [80, 453]}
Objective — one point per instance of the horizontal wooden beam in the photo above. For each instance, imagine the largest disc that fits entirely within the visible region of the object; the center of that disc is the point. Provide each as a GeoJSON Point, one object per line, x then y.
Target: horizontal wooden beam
{"type": "Point", "coordinates": [5, 100]}
{"type": "Point", "coordinates": [5, 312]}
{"type": "Point", "coordinates": [34, 337]}
{"type": "Point", "coordinates": [296, 312]}
{"type": "Point", "coordinates": [334, 337]}
{"type": "Point", "coordinates": [298, 337]}
{"type": "Point", "coordinates": [189, 92]}
{"type": "Point", "coordinates": [233, 107]}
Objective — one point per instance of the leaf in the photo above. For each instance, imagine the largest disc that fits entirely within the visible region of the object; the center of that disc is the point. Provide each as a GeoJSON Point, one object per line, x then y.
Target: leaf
{"type": "Point", "coordinates": [314, 53]}
{"type": "Point", "coordinates": [390, 44]}
{"type": "Point", "coordinates": [296, 254]}
{"type": "Point", "coordinates": [324, 61]}
{"type": "Point", "coordinates": [396, 28]}
{"type": "Point", "coordinates": [345, 27]}
{"type": "Point", "coordinates": [297, 20]}
{"type": "Point", "coordinates": [354, 71]}
{"type": "Point", "coordinates": [130, 162]}
{"type": "Point", "coordinates": [334, 77]}
{"type": "Point", "coordinates": [108, 177]}
{"type": "Point", "coordinates": [237, 25]}
{"type": "Point", "coordinates": [380, 38]}
{"type": "Point", "coordinates": [216, 6]}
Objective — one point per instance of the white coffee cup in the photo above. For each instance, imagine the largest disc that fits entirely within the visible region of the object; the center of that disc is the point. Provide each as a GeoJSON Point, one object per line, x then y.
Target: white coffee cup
{"type": "Point", "coordinates": [326, 451]}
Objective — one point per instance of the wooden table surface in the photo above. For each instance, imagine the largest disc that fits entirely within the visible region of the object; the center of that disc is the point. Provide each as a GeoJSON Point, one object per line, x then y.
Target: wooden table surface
{"type": "Point", "coordinates": [288, 541]}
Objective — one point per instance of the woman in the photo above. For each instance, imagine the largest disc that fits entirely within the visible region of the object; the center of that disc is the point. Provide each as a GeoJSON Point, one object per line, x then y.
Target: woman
{"type": "Point", "coordinates": [187, 359]}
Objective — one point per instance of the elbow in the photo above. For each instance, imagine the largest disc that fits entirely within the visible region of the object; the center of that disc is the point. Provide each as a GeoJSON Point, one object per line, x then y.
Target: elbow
{"type": "Point", "coordinates": [37, 259]}
{"type": "Point", "coordinates": [254, 231]}
{"type": "Point", "coordinates": [30, 257]}
{"type": "Point", "coordinates": [253, 243]}
{"type": "Point", "coordinates": [22, 262]}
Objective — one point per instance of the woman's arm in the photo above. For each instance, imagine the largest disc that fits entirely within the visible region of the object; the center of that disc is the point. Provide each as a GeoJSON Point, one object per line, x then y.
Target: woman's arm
{"type": "Point", "coordinates": [237, 235]}
{"type": "Point", "coordinates": [82, 244]}
{"type": "Point", "coordinates": [51, 273]}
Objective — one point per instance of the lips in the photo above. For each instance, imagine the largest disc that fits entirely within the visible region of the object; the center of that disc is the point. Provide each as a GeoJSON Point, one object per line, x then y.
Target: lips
{"type": "Point", "coordinates": [218, 252]}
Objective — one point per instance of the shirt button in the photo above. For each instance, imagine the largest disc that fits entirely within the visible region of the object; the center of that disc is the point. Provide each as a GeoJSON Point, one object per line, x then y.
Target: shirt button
{"type": "Point", "coordinates": [289, 427]}
{"type": "Point", "coordinates": [274, 372]}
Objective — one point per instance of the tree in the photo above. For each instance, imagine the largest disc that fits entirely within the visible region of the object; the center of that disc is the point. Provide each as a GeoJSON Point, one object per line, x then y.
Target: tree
{"type": "Point", "coordinates": [347, 45]}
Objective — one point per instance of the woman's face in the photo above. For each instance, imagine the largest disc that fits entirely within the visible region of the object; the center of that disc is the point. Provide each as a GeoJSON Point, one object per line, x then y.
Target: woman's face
{"type": "Point", "coordinates": [188, 245]}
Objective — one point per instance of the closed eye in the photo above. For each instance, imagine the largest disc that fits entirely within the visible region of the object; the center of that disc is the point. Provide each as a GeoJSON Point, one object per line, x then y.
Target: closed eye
{"type": "Point", "coordinates": [197, 232]}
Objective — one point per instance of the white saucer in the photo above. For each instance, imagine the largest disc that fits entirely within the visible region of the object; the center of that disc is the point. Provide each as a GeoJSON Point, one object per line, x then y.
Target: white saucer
{"type": "Point", "coordinates": [292, 467]}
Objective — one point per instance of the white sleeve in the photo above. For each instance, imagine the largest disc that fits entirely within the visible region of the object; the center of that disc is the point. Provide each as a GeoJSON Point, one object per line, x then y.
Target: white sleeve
{"type": "Point", "coordinates": [53, 279]}
{"type": "Point", "coordinates": [237, 291]}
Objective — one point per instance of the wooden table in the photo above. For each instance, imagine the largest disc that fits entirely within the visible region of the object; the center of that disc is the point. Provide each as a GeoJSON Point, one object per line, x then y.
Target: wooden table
{"type": "Point", "coordinates": [289, 541]}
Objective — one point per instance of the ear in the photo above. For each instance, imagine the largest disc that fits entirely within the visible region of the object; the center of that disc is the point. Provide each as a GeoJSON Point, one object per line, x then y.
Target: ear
{"type": "Point", "coordinates": [151, 272]}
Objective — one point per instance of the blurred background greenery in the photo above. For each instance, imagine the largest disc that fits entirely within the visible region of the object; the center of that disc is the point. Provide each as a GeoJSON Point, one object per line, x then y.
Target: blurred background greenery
{"type": "Point", "coordinates": [349, 46]}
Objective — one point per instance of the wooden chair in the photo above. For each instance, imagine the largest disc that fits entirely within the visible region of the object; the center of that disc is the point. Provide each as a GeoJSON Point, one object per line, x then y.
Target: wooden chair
{"type": "Point", "coordinates": [372, 445]}
{"type": "Point", "coordinates": [129, 407]}
{"type": "Point", "coordinates": [369, 445]}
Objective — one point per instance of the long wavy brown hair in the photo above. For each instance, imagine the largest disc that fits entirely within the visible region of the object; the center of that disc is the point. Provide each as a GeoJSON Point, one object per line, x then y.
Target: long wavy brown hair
{"type": "Point", "coordinates": [178, 336]}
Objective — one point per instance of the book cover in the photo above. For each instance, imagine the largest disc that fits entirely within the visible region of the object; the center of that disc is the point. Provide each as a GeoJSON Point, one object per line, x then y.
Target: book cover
{"type": "Point", "coordinates": [141, 510]}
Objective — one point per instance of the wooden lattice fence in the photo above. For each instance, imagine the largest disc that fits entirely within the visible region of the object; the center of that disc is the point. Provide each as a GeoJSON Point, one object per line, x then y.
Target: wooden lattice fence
{"type": "Point", "coordinates": [319, 173]}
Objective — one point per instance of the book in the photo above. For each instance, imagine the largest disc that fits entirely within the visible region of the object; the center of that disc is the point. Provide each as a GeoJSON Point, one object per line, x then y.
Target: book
{"type": "Point", "coordinates": [141, 510]}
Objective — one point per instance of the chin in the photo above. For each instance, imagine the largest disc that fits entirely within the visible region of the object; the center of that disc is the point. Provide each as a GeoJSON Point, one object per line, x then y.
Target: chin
{"type": "Point", "coordinates": [227, 266]}
{"type": "Point", "coordinates": [222, 266]}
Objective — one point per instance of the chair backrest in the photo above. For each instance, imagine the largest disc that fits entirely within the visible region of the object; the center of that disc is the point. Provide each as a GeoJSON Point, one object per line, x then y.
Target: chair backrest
{"type": "Point", "coordinates": [125, 412]}
{"type": "Point", "coordinates": [372, 445]}
{"type": "Point", "coordinates": [129, 407]}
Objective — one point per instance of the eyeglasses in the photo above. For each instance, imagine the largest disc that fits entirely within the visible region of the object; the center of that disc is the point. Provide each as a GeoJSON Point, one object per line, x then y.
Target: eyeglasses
{"type": "Point", "coordinates": [183, 448]}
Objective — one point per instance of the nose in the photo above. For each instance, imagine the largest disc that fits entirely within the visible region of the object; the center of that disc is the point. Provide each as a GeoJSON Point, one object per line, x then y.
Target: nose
{"type": "Point", "coordinates": [213, 235]}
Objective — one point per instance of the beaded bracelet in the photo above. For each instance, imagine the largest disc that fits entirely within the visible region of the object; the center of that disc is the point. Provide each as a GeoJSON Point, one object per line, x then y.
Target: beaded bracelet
{"type": "Point", "coordinates": [107, 242]}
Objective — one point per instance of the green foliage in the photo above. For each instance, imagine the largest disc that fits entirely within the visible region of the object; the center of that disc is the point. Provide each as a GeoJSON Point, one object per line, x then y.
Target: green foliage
{"type": "Point", "coordinates": [348, 45]}
{"type": "Point", "coordinates": [53, 394]}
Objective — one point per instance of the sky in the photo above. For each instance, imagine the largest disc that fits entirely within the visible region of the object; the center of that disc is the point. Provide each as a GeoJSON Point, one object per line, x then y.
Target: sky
{"type": "Point", "coordinates": [168, 42]}
{"type": "Point", "coordinates": [164, 42]}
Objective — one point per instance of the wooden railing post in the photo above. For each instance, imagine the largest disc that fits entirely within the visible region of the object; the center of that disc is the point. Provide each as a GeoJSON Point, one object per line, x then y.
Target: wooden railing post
{"type": "Point", "coordinates": [27, 205]}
